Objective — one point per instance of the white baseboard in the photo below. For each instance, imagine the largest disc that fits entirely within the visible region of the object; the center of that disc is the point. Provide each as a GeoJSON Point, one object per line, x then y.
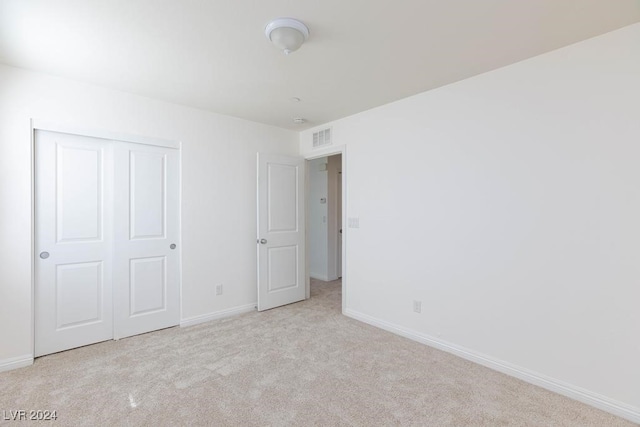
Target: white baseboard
{"type": "Point", "coordinates": [16, 362]}
{"type": "Point", "coordinates": [319, 277]}
{"type": "Point", "coordinates": [322, 277]}
{"type": "Point", "coordinates": [620, 409]}
{"type": "Point", "coordinates": [217, 315]}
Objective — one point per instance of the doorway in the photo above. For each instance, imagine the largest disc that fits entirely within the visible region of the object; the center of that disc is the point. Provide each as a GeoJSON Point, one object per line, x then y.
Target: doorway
{"type": "Point", "coordinates": [324, 218]}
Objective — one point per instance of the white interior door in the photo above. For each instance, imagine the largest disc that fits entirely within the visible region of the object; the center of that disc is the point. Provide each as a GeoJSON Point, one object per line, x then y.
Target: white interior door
{"type": "Point", "coordinates": [147, 246]}
{"type": "Point", "coordinates": [281, 228]}
{"type": "Point", "coordinates": [73, 295]}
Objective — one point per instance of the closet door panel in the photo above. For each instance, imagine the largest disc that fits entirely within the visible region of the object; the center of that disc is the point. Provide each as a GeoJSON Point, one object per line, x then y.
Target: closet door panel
{"type": "Point", "coordinates": [73, 263]}
{"type": "Point", "coordinates": [147, 243]}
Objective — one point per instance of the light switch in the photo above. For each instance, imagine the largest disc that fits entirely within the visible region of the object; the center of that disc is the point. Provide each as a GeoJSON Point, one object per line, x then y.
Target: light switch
{"type": "Point", "coordinates": [354, 222]}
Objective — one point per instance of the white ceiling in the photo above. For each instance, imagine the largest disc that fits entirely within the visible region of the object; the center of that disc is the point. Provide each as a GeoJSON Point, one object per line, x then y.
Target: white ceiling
{"type": "Point", "coordinates": [213, 54]}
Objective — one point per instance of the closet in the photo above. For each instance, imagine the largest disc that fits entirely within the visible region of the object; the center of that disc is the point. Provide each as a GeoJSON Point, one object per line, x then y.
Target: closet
{"type": "Point", "coordinates": [107, 234]}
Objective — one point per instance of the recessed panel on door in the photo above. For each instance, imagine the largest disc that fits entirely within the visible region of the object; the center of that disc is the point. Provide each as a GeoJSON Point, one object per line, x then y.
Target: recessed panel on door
{"type": "Point", "coordinates": [282, 197]}
{"type": "Point", "coordinates": [147, 194]}
{"type": "Point", "coordinates": [283, 268]}
{"type": "Point", "coordinates": [79, 204]}
{"type": "Point", "coordinates": [79, 294]}
{"type": "Point", "coordinates": [148, 285]}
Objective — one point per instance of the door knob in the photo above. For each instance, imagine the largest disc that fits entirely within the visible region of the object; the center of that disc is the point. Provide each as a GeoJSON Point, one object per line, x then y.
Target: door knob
{"type": "Point", "coordinates": [44, 255]}
{"type": "Point", "coordinates": [263, 241]}
{"type": "Point", "coordinates": [172, 246]}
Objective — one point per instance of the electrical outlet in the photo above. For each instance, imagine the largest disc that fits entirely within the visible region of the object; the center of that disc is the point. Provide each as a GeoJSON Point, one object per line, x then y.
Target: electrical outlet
{"type": "Point", "coordinates": [218, 289]}
{"type": "Point", "coordinates": [417, 306]}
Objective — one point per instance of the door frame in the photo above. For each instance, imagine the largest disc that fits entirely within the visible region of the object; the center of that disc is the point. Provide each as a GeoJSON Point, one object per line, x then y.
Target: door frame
{"type": "Point", "coordinates": [328, 152]}
{"type": "Point", "coordinates": [52, 126]}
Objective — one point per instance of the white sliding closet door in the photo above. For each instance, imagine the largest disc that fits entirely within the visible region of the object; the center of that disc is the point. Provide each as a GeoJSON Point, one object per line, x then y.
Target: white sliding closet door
{"type": "Point", "coordinates": [147, 256]}
{"type": "Point", "coordinates": [107, 240]}
{"type": "Point", "coordinates": [73, 302]}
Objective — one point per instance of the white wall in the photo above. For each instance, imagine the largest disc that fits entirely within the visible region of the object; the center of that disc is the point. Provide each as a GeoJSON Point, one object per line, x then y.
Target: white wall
{"type": "Point", "coordinates": [218, 189]}
{"type": "Point", "coordinates": [317, 219]}
{"type": "Point", "coordinates": [510, 206]}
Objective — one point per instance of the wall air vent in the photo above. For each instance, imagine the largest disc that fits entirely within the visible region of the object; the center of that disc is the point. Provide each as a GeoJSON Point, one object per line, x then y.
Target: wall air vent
{"type": "Point", "coordinates": [322, 138]}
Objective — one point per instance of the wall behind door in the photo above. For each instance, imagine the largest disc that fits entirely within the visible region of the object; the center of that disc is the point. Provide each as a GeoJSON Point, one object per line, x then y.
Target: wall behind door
{"type": "Point", "coordinates": [317, 218]}
{"type": "Point", "coordinates": [218, 218]}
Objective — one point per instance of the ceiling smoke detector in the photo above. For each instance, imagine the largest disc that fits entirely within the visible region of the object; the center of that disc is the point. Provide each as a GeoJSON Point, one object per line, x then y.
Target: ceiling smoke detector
{"type": "Point", "coordinates": [287, 34]}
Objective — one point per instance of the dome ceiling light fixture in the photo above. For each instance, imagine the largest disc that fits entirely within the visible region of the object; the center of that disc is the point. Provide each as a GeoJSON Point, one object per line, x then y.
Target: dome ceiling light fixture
{"type": "Point", "coordinates": [287, 34]}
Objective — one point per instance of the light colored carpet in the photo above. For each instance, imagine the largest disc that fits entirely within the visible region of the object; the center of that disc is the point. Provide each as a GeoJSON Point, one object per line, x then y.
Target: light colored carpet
{"type": "Point", "coordinates": [300, 365]}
